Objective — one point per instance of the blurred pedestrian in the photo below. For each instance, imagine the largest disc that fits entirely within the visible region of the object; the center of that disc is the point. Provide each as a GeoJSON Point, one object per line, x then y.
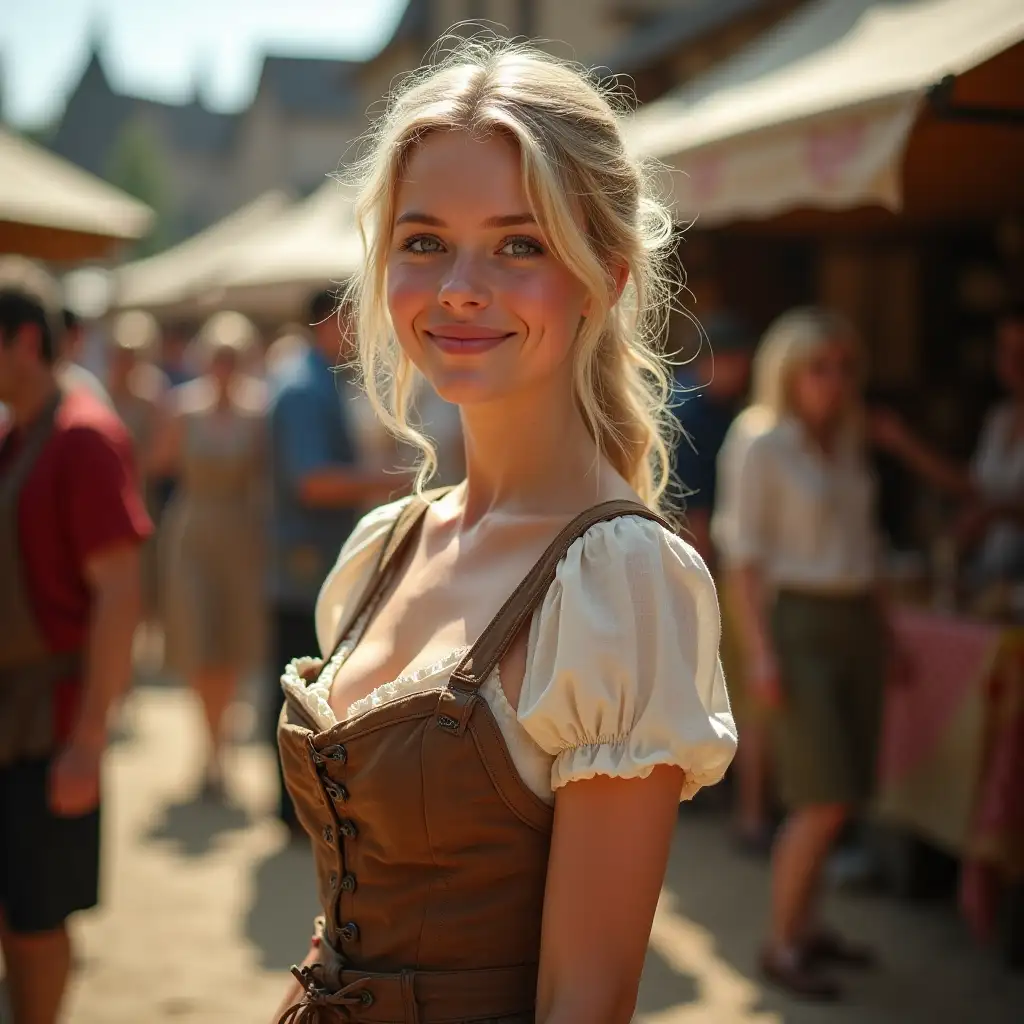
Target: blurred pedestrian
{"type": "Point", "coordinates": [212, 543]}
{"type": "Point", "coordinates": [71, 521]}
{"type": "Point", "coordinates": [710, 392]}
{"type": "Point", "coordinates": [137, 389]}
{"type": "Point", "coordinates": [805, 554]}
{"type": "Point", "coordinates": [990, 527]}
{"type": "Point", "coordinates": [318, 485]}
{"type": "Point", "coordinates": [471, 822]}
{"type": "Point", "coordinates": [71, 373]}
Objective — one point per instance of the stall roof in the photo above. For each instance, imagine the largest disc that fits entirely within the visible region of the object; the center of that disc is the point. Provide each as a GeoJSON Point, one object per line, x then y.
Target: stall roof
{"type": "Point", "coordinates": [816, 112]}
{"type": "Point", "coordinates": [173, 278]}
{"type": "Point", "coordinates": [315, 242]}
{"type": "Point", "coordinates": [313, 245]}
{"type": "Point", "coordinates": [42, 194]}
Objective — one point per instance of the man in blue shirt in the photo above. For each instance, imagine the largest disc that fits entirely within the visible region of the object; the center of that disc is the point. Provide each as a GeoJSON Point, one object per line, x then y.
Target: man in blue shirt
{"type": "Point", "coordinates": [317, 489]}
{"type": "Point", "coordinates": [710, 392]}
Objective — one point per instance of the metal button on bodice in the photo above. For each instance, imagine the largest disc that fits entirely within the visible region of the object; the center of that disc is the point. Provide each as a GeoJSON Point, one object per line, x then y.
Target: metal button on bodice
{"type": "Point", "coordinates": [333, 880]}
{"type": "Point", "coordinates": [366, 998]}
{"type": "Point", "coordinates": [348, 829]}
{"type": "Point", "coordinates": [336, 791]}
{"type": "Point", "coordinates": [336, 752]}
{"type": "Point", "coordinates": [349, 932]}
{"type": "Point", "coordinates": [348, 883]}
{"type": "Point", "coordinates": [328, 834]}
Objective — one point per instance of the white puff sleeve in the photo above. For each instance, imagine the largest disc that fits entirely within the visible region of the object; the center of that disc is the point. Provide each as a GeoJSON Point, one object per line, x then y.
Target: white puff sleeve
{"type": "Point", "coordinates": [351, 574]}
{"type": "Point", "coordinates": [623, 672]}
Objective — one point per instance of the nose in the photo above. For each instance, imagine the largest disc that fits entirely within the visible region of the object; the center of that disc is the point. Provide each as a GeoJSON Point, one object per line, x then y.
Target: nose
{"type": "Point", "coordinates": [463, 285]}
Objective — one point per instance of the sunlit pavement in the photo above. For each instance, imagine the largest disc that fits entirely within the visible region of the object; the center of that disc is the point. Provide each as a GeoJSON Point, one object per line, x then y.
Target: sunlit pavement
{"type": "Point", "coordinates": [205, 909]}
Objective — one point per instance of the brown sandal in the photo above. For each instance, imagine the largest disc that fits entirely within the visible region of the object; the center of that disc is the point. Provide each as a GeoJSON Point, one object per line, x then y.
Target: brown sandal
{"type": "Point", "coordinates": [798, 977]}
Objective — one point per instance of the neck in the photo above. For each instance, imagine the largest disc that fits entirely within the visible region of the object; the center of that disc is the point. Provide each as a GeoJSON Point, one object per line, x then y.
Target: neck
{"type": "Point", "coordinates": [33, 395]}
{"type": "Point", "coordinates": [528, 453]}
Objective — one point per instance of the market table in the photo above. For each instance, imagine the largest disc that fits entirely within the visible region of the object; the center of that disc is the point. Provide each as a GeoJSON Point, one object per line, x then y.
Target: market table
{"type": "Point", "coordinates": [952, 755]}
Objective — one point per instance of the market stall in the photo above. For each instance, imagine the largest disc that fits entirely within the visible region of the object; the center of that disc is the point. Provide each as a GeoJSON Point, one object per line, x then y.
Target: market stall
{"type": "Point", "coordinates": [175, 281]}
{"type": "Point", "coordinates": [311, 246]}
{"type": "Point", "coordinates": [52, 210]}
{"type": "Point", "coordinates": [823, 113]}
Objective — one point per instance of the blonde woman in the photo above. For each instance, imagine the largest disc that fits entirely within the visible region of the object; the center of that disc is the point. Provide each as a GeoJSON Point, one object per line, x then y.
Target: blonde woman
{"type": "Point", "coordinates": [522, 675]}
{"type": "Point", "coordinates": [212, 535]}
{"type": "Point", "coordinates": [803, 549]}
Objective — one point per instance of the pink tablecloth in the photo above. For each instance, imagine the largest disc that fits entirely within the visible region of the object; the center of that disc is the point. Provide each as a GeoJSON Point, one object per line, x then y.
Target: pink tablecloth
{"type": "Point", "coordinates": [952, 753]}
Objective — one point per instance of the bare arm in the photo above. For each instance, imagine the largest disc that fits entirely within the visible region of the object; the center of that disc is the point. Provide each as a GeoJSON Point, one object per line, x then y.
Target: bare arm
{"type": "Point", "coordinates": [595, 934]}
{"type": "Point", "coordinates": [113, 578]}
{"type": "Point", "coordinates": [944, 474]}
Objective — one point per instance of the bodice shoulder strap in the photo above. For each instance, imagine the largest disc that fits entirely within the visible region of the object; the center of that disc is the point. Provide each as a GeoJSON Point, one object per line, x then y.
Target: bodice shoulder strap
{"type": "Point", "coordinates": [455, 704]}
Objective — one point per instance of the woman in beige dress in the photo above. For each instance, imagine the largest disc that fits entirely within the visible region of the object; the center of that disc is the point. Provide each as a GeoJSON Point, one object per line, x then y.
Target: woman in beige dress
{"type": "Point", "coordinates": [211, 557]}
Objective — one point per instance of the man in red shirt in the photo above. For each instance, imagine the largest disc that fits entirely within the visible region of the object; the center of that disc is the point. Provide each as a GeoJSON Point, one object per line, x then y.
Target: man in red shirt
{"type": "Point", "coordinates": [71, 524]}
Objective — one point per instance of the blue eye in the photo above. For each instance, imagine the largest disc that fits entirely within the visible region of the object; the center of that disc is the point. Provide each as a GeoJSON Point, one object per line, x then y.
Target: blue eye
{"type": "Point", "coordinates": [421, 244]}
{"type": "Point", "coordinates": [521, 247]}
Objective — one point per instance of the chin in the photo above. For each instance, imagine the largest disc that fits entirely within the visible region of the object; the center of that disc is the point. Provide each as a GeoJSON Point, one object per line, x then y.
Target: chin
{"type": "Point", "coordinates": [465, 387]}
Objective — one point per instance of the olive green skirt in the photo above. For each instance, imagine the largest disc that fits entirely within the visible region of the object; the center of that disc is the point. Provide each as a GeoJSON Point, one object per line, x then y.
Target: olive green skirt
{"type": "Point", "coordinates": [831, 655]}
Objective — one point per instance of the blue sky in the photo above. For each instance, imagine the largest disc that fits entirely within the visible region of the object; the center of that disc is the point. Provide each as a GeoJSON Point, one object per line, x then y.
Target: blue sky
{"type": "Point", "coordinates": [160, 48]}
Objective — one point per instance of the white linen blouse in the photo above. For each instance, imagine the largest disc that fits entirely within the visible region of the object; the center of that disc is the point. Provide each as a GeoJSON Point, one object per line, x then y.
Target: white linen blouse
{"type": "Point", "coordinates": [622, 668]}
{"type": "Point", "coordinates": [807, 520]}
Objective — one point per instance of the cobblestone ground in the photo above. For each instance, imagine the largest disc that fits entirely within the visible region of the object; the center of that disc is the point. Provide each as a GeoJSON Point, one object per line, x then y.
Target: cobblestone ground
{"type": "Point", "coordinates": [205, 909]}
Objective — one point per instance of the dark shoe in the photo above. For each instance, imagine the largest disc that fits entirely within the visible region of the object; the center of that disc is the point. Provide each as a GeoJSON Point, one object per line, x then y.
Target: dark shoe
{"type": "Point", "coordinates": [754, 842]}
{"type": "Point", "coordinates": [832, 948]}
{"type": "Point", "coordinates": [798, 977]}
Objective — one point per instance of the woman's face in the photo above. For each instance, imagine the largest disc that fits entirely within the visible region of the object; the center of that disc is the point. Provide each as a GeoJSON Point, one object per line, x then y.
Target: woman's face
{"type": "Point", "coordinates": [825, 385]}
{"type": "Point", "coordinates": [478, 302]}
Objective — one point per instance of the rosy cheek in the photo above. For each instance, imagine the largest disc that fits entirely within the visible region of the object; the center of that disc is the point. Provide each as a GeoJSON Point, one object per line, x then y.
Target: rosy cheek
{"type": "Point", "coordinates": [408, 293]}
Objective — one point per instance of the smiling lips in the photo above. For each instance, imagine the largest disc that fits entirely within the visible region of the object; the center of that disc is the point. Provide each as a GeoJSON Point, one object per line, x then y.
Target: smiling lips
{"type": "Point", "coordinates": [466, 339]}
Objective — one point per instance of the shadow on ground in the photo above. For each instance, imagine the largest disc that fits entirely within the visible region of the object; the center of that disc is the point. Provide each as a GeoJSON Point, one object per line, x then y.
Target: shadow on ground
{"type": "Point", "coordinates": [931, 971]}
{"type": "Point", "coordinates": [194, 825]}
{"type": "Point", "coordinates": [280, 921]}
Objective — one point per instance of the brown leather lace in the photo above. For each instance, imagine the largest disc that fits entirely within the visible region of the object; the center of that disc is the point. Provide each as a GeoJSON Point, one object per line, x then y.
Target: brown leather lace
{"type": "Point", "coordinates": [318, 998]}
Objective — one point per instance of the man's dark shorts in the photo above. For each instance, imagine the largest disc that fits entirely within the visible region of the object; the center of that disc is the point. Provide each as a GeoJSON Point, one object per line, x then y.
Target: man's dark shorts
{"type": "Point", "coordinates": [49, 865]}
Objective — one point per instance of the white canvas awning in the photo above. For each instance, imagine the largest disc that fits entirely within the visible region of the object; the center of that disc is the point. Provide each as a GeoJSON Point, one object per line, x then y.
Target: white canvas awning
{"type": "Point", "coordinates": [311, 246]}
{"type": "Point", "coordinates": [818, 111]}
{"type": "Point", "coordinates": [171, 280]}
{"type": "Point", "coordinates": [53, 209]}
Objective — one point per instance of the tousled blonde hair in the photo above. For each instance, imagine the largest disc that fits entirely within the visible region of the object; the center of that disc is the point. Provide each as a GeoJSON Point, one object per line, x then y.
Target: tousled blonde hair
{"type": "Point", "coordinates": [573, 162]}
{"type": "Point", "coordinates": [790, 342]}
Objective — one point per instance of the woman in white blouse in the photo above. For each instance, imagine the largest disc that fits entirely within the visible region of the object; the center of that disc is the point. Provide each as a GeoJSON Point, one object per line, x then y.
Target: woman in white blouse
{"type": "Point", "coordinates": [801, 540]}
{"type": "Point", "coordinates": [514, 257]}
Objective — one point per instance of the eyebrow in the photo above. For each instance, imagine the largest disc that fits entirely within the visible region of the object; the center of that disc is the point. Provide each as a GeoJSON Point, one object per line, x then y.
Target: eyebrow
{"type": "Point", "coordinates": [507, 220]}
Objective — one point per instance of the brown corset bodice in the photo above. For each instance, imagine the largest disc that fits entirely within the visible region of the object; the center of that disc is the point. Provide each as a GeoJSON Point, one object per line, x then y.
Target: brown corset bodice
{"type": "Point", "coordinates": [431, 852]}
